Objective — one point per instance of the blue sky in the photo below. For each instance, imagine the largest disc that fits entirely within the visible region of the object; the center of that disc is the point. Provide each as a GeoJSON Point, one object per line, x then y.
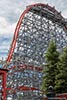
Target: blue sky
{"type": "Point", "coordinates": [10, 11]}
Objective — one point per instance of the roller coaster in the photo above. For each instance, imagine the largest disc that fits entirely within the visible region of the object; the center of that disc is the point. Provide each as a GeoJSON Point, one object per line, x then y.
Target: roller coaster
{"type": "Point", "coordinates": [21, 74]}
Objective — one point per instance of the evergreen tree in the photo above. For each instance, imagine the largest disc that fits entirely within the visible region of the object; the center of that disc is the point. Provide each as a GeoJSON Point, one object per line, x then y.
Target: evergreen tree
{"type": "Point", "coordinates": [61, 77]}
{"type": "Point", "coordinates": [50, 69]}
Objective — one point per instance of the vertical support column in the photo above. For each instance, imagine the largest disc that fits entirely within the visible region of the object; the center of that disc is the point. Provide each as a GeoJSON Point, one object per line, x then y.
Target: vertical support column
{"type": "Point", "coordinates": [4, 86]}
{"type": "Point", "coordinates": [3, 75]}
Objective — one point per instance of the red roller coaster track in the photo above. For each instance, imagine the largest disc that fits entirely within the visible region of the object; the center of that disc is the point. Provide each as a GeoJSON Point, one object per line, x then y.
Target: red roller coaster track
{"type": "Point", "coordinates": [19, 24]}
{"type": "Point", "coordinates": [17, 69]}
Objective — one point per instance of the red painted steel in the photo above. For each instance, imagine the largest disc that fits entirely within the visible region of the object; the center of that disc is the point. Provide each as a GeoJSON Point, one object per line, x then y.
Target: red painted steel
{"type": "Point", "coordinates": [62, 95]}
{"type": "Point", "coordinates": [26, 67]}
{"type": "Point", "coordinates": [19, 24]}
{"type": "Point", "coordinates": [12, 47]}
{"type": "Point", "coordinates": [3, 73]}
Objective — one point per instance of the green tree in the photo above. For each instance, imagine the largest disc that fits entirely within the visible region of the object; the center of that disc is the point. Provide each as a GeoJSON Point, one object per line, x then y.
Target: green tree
{"type": "Point", "coordinates": [61, 77]}
{"type": "Point", "coordinates": [50, 68]}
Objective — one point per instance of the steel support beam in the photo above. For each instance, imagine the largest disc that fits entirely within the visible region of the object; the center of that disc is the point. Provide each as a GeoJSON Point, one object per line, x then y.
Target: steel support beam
{"type": "Point", "coordinates": [3, 76]}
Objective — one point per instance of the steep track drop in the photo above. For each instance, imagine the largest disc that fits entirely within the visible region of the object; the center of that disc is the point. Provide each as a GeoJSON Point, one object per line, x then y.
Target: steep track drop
{"type": "Point", "coordinates": [37, 26]}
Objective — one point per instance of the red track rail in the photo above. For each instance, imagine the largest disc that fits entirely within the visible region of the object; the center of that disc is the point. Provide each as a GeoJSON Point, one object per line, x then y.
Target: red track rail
{"type": "Point", "coordinates": [24, 88]}
{"type": "Point", "coordinates": [22, 67]}
{"type": "Point", "coordinates": [19, 24]}
{"type": "Point", "coordinates": [12, 47]}
{"type": "Point", "coordinates": [3, 73]}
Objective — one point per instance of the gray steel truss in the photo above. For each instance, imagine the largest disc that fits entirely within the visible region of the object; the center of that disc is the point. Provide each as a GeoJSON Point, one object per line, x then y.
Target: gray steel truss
{"type": "Point", "coordinates": [38, 28]}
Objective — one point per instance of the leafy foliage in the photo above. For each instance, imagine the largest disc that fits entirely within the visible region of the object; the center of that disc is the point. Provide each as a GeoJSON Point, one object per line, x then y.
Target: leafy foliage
{"type": "Point", "coordinates": [61, 77]}
{"type": "Point", "coordinates": [50, 68]}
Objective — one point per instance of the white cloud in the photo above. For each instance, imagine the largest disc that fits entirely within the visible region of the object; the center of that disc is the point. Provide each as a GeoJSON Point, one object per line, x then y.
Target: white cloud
{"type": "Point", "coordinates": [64, 13]}
{"type": "Point", "coordinates": [6, 33]}
{"type": "Point", "coordinates": [5, 27]}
